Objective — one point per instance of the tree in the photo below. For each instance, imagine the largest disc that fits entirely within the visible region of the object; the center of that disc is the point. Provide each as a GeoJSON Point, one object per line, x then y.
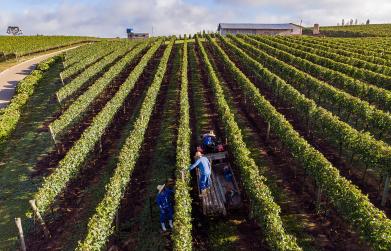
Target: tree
{"type": "Point", "coordinates": [351, 22]}
{"type": "Point", "coordinates": [356, 22]}
{"type": "Point", "coordinates": [343, 22]}
{"type": "Point", "coordinates": [367, 22]}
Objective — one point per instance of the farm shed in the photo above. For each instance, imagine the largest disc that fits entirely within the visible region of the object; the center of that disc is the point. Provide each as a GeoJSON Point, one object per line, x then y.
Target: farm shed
{"type": "Point", "coordinates": [132, 35]}
{"type": "Point", "coordinates": [264, 29]}
{"type": "Point", "coordinates": [138, 35]}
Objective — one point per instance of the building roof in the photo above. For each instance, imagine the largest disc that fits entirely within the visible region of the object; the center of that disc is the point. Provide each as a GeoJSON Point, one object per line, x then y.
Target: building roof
{"type": "Point", "coordinates": [248, 26]}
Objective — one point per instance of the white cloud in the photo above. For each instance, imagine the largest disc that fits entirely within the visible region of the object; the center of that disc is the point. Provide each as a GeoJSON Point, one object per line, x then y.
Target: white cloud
{"type": "Point", "coordinates": [327, 12]}
{"type": "Point", "coordinates": [111, 18]}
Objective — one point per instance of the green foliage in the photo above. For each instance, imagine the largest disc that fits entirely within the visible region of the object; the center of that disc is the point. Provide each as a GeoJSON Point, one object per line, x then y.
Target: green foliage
{"type": "Point", "coordinates": [374, 119]}
{"type": "Point", "coordinates": [371, 30]}
{"type": "Point", "coordinates": [350, 51]}
{"type": "Point", "coordinates": [355, 207]}
{"type": "Point", "coordinates": [74, 56]}
{"type": "Point", "coordinates": [100, 225]}
{"type": "Point", "coordinates": [372, 47]}
{"type": "Point", "coordinates": [70, 89]}
{"type": "Point", "coordinates": [80, 106]}
{"type": "Point", "coordinates": [182, 239]}
{"type": "Point", "coordinates": [376, 154]}
{"type": "Point", "coordinates": [370, 77]}
{"type": "Point", "coordinates": [333, 55]}
{"type": "Point", "coordinates": [86, 56]}
{"type": "Point", "coordinates": [374, 95]}
{"type": "Point", "coordinates": [266, 211]}
{"type": "Point", "coordinates": [12, 46]}
{"type": "Point", "coordinates": [10, 115]}
{"type": "Point", "coordinates": [73, 161]}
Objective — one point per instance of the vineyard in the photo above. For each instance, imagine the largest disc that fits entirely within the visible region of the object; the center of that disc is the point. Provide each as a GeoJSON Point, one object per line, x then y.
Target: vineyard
{"type": "Point", "coordinates": [11, 47]}
{"type": "Point", "coordinates": [306, 121]}
{"type": "Point", "coordinates": [372, 30]}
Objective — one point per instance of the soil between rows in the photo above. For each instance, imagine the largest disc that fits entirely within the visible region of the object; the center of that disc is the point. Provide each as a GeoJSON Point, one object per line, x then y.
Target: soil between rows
{"type": "Point", "coordinates": [236, 231]}
{"type": "Point", "coordinates": [136, 196]}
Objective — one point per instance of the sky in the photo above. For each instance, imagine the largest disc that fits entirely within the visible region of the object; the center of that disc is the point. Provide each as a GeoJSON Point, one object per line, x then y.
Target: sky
{"type": "Point", "coordinates": [110, 18]}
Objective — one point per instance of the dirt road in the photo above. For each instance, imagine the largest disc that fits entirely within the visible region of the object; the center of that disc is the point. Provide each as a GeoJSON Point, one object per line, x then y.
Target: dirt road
{"type": "Point", "coordinates": [10, 77]}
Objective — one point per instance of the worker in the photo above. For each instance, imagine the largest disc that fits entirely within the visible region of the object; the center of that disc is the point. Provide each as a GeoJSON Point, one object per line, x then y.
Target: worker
{"type": "Point", "coordinates": [209, 141]}
{"type": "Point", "coordinates": [227, 174]}
{"type": "Point", "coordinates": [205, 171]}
{"type": "Point", "coordinates": [164, 201]}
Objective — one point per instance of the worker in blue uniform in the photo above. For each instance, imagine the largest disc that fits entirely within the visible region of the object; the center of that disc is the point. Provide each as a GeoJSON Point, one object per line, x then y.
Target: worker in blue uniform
{"type": "Point", "coordinates": [209, 142]}
{"type": "Point", "coordinates": [204, 166]}
{"type": "Point", "coordinates": [164, 201]}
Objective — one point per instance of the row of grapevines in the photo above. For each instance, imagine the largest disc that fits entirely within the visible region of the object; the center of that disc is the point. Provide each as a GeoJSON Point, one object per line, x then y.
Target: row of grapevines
{"type": "Point", "coordinates": [100, 224]}
{"type": "Point", "coordinates": [97, 51]}
{"type": "Point", "coordinates": [376, 154]}
{"type": "Point", "coordinates": [372, 30]}
{"type": "Point", "coordinates": [374, 118]}
{"type": "Point", "coordinates": [377, 96]}
{"type": "Point", "coordinates": [266, 211]}
{"type": "Point", "coordinates": [376, 47]}
{"type": "Point", "coordinates": [23, 45]}
{"type": "Point", "coordinates": [182, 239]}
{"type": "Point", "coordinates": [10, 115]}
{"type": "Point", "coordinates": [326, 46]}
{"type": "Point", "coordinates": [371, 222]}
{"type": "Point", "coordinates": [89, 73]}
{"type": "Point", "coordinates": [369, 49]}
{"type": "Point", "coordinates": [331, 53]}
{"type": "Point", "coordinates": [359, 46]}
{"type": "Point", "coordinates": [363, 46]}
{"type": "Point", "coordinates": [73, 56]}
{"type": "Point", "coordinates": [370, 77]}
{"type": "Point", "coordinates": [77, 109]}
{"type": "Point", "coordinates": [73, 161]}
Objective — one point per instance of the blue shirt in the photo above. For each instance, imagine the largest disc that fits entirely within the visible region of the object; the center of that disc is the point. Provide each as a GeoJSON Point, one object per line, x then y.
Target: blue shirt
{"type": "Point", "coordinates": [208, 140]}
{"type": "Point", "coordinates": [164, 198]}
{"type": "Point", "coordinates": [203, 164]}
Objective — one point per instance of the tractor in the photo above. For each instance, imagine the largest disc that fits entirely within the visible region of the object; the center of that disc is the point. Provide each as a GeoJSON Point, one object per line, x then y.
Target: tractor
{"type": "Point", "coordinates": [224, 193]}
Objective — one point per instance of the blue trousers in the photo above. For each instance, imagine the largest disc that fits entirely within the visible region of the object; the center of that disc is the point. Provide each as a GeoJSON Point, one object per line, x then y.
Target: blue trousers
{"type": "Point", "coordinates": [166, 214]}
{"type": "Point", "coordinates": [204, 181]}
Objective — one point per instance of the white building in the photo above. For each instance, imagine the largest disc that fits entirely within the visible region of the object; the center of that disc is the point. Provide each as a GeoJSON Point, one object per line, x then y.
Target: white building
{"type": "Point", "coordinates": [264, 29]}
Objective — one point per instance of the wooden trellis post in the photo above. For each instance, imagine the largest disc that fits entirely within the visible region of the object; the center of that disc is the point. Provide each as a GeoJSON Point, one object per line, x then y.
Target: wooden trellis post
{"type": "Point", "coordinates": [318, 198]}
{"type": "Point", "coordinates": [268, 132]}
{"type": "Point", "coordinates": [53, 135]}
{"type": "Point", "coordinates": [18, 222]}
{"type": "Point", "coordinates": [58, 99]}
{"type": "Point", "coordinates": [385, 190]}
{"type": "Point", "coordinates": [39, 218]}
{"type": "Point", "coordinates": [62, 80]}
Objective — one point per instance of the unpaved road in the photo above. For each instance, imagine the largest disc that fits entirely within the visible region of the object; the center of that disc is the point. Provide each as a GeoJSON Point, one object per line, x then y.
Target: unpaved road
{"type": "Point", "coordinates": [10, 77]}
